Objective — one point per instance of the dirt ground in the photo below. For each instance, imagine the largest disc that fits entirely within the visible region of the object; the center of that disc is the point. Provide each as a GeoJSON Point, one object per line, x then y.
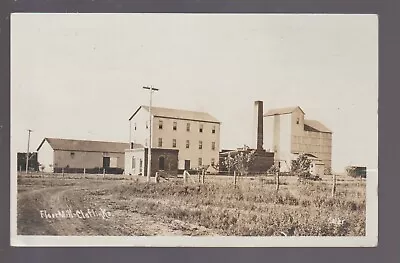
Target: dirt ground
{"type": "Point", "coordinates": [53, 195]}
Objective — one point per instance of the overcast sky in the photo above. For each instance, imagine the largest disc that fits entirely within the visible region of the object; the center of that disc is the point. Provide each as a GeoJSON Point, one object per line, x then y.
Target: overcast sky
{"type": "Point", "coordinates": [80, 76]}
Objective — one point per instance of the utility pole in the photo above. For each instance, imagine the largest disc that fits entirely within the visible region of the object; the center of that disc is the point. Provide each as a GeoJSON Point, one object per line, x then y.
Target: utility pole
{"type": "Point", "coordinates": [27, 152]}
{"type": "Point", "coordinates": [151, 89]}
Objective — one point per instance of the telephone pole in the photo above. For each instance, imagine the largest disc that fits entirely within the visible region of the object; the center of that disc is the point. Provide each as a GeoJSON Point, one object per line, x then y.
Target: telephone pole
{"type": "Point", "coordinates": [151, 89]}
{"type": "Point", "coordinates": [27, 152]}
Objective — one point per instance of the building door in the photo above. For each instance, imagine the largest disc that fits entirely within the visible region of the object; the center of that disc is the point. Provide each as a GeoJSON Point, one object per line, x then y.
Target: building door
{"type": "Point", "coordinates": [106, 162]}
{"type": "Point", "coordinates": [187, 164]}
{"type": "Point", "coordinates": [161, 163]}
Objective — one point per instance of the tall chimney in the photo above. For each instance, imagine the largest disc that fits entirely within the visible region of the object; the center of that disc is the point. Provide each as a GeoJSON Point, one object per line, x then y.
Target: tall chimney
{"type": "Point", "coordinates": [258, 110]}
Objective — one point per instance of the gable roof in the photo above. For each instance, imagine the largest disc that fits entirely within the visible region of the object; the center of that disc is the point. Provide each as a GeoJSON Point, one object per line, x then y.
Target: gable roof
{"type": "Point", "coordinates": [178, 114]}
{"type": "Point", "coordinates": [315, 126]}
{"type": "Point", "coordinates": [87, 146]}
{"type": "Point", "coordinates": [282, 111]}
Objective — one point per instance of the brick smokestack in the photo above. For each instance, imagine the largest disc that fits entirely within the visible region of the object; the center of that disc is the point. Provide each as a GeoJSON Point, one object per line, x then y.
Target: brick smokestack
{"type": "Point", "coordinates": [259, 112]}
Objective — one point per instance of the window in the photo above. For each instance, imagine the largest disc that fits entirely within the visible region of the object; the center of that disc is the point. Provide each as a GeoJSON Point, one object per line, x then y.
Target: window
{"type": "Point", "coordinates": [159, 142]}
{"type": "Point", "coordinates": [212, 161]}
{"type": "Point", "coordinates": [213, 146]}
{"type": "Point", "coordinates": [140, 164]}
{"type": "Point", "coordinates": [160, 124]}
{"type": "Point", "coordinates": [200, 144]}
{"type": "Point", "coordinates": [135, 126]}
{"type": "Point", "coordinates": [174, 143]}
{"type": "Point", "coordinates": [133, 162]}
{"type": "Point", "coordinates": [187, 126]}
{"type": "Point", "coordinates": [213, 129]}
{"type": "Point", "coordinates": [201, 128]}
{"type": "Point", "coordinates": [72, 155]}
{"type": "Point", "coordinates": [298, 120]}
{"type": "Point", "coordinates": [131, 145]}
{"type": "Point", "coordinates": [200, 161]}
{"type": "Point", "coordinates": [174, 125]}
{"type": "Point", "coordinates": [147, 124]}
{"type": "Point", "coordinates": [187, 144]}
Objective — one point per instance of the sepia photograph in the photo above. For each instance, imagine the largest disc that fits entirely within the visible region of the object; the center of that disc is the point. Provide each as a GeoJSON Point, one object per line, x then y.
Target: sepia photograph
{"type": "Point", "coordinates": [194, 130]}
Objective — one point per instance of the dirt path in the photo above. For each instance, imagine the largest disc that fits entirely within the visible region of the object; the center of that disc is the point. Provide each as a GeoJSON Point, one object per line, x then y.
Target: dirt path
{"type": "Point", "coordinates": [84, 196]}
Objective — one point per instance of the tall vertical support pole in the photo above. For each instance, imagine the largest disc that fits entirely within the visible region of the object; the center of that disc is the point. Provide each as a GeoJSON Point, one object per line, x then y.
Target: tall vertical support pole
{"type": "Point", "coordinates": [27, 152]}
{"type": "Point", "coordinates": [151, 89]}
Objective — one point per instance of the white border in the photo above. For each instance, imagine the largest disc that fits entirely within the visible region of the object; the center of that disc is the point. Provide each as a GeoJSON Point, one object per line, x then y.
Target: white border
{"type": "Point", "coordinates": [370, 240]}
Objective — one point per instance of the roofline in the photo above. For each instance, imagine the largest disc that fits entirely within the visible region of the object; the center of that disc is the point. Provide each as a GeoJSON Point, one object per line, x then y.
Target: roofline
{"type": "Point", "coordinates": [90, 151]}
{"type": "Point", "coordinates": [318, 131]}
{"type": "Point", "coordinates": [175, 118]}
{"type": "Point", "coordinates": [266, 114]}
{"type": "Point", "coordinates": [46, 139]}
{"type": "Point", "coordinates": [186, 119]}
{"type": "Point", "coordinates": [133, 115]}
{"type": "Point", "coordinates": [40, 146]}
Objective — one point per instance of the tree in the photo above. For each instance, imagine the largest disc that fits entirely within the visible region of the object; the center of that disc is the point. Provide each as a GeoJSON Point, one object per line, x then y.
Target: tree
{"type": "Point", "coordinates": [240, 161]}
{"type": "Point", "coordinates": [301, 166]}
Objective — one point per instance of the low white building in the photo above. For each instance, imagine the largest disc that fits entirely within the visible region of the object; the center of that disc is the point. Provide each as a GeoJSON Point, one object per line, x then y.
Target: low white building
{"type": "Point", "coordinates": [56, 154]}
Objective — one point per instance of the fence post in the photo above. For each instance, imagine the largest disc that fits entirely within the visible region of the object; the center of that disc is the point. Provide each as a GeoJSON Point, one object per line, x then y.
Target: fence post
{"type": "Point", "coordinates": [104, 173]}
{"type": "Point", "coordinates": [333, 184]}
{"type": "Point", "coordinates": [157, 178]}
{"type": "Point", "coordinates": [277, 181]}
{"type": "Point", "coordinates": [199, 176]}
{"type": "Point", "coordinates": [62, 171]}
{"type": "Point", "coordinates": [184, 176]}
{"type": "Point", "coordinates": [84, 171]}
{"type": "Point", "coordinates": [203, 174]}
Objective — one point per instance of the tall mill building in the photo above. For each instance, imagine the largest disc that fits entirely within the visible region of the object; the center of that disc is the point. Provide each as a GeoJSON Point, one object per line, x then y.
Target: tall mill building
{"type": "Point", "coordinates": [287, 133]}
{"type": "Point", "coordinates": [195, 135]}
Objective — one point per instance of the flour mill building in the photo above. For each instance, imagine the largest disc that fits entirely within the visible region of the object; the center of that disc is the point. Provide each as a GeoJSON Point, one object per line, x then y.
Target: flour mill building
{"type": "Point", "coordinates": [191, 138]}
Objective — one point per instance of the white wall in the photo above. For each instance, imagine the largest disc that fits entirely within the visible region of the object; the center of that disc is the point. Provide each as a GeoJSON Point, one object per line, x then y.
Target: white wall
{"type": "Point", "coordinates": [136, 155]}
{"type": "Point", "coordinates": [194, 136]}
{"type": "Point", "coordinates": [46, 157]}
{"type": "Point", "coordinates": [141, 134]}
{"type": "Point", "coordinates": [269, 133]}
{"type": "Point", "coordinates": [285, 139]}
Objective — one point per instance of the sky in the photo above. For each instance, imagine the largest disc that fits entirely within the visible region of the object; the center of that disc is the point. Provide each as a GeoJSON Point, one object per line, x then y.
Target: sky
{"type": "Point", "coordinates": [80, 76]}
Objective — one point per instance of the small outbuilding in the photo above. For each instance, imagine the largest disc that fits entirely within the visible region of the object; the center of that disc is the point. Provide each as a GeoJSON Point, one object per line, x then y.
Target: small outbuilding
{"type": "Point", "coordinates": [78, 156]}
{"type": "Point", "coordinates": [162, 160]}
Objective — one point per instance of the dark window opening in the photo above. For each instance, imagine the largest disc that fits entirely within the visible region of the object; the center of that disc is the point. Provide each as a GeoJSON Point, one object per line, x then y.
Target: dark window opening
{"type": "Point", "coordinates": [106, 162]}
{"type": "Point", "coordinates": [174, 126]}
{"type": "Point", "coordinates": [161, 163]}
{"type": "Point", "coordinates": [187, 164]}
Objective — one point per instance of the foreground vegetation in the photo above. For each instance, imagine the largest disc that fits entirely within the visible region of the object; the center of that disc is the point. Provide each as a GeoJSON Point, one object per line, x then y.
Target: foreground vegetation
{"type": "Point", "coordinates": [253, 208]}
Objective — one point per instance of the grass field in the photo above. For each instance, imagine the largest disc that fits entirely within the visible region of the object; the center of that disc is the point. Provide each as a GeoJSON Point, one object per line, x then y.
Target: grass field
{"type": "Point", "coordinates": [253, 208]}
